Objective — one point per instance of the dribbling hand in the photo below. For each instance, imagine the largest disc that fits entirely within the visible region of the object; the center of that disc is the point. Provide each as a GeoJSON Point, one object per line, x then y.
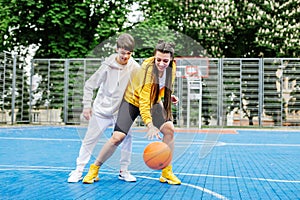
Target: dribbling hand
{"type": "Point", "coordinates": [152, 132]}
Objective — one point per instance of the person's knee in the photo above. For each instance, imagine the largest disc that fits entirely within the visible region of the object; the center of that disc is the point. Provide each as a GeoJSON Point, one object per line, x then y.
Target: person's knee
{"type": "Point", "coordinates": [168, 129]}
{"type": "Point", "coordinates": [117, 138]}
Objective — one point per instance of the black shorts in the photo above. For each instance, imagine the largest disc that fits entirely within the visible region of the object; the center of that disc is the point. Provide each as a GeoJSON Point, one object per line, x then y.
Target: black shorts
{"type": "Point", "coordinates": [128, 113]}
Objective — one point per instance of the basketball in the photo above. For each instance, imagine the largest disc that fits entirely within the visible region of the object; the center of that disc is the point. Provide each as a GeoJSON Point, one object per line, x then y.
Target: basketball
{"type": "Point", "coordinates": [157, 155]}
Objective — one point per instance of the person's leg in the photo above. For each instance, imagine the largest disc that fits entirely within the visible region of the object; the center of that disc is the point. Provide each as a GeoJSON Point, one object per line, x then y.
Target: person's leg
{"type": "Point", "coordinates": [167, 175]}
{"type": "Point", "coordinates": [109, 147]}
{"type": "Point", "coordinates": [95, 128]}
{"type": "Point", "coordinates": [125, 160]}
{"type": "Point", "coordinates": [167, 129]}
{"type": "Point", "coordinates": [105, 153]}
{"type": "Point", "coordinates": [126, 116]}
{"type": "Point", "coordinates": [126, 152]}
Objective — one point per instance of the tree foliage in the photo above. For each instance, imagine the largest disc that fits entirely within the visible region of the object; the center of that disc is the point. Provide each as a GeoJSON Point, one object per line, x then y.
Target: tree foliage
{"type": "Point", "coordinates": [234, 28]}
{"type": "Point", "coordinates": [228, 28]}
{"type": "Point", "coordinates": [61, 28]}
{"type": "Point", "coordinates": [278, 33]}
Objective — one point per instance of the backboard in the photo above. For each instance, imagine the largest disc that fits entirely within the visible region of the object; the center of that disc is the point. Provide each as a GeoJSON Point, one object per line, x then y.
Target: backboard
{"type": "Point", "coordinates": [193, 67]}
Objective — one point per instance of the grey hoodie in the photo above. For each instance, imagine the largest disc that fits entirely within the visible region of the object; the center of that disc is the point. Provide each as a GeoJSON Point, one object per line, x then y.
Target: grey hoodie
{"type": "Point", "coordinates": [111, 79]}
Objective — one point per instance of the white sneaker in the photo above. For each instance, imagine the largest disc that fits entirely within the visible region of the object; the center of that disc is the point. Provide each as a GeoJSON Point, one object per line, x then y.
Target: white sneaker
{"type": "Point", "coordinates": [75, 176]}
{"type": "Point", "coordinates": [126, 176]}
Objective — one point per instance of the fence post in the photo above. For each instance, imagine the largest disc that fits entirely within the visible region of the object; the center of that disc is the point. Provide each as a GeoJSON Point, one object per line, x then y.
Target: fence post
{"type": "Point", "coordinates": [30, 90]}
{"type": "Point", "coordinates": [66, 83]}
{"type": "Point", "coordinates": [281, 93]}
{"type": "Point", "coordinates": [220, 93]}
{"type": "Point", "coordinates": [13, 97]}
{"type": "Point", "coordinates": [261, 91]}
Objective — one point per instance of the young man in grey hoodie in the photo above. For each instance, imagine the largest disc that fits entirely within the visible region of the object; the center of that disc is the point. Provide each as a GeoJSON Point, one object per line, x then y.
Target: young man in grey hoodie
{"type": "Point", "coordinates": [111, 80]}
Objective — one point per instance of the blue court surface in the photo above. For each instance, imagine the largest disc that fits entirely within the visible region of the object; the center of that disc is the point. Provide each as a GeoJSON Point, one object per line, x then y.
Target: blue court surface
{"type": "Point", "coordinates": [215, 164]}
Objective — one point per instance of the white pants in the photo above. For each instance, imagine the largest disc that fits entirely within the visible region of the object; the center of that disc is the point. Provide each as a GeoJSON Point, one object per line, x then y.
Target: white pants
{"type": "Point", "coordinates": [95, 128]}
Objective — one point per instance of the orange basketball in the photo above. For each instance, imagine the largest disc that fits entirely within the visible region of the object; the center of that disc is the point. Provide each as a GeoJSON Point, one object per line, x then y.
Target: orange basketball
{"type": "Point", "coordinates": [157, 155]}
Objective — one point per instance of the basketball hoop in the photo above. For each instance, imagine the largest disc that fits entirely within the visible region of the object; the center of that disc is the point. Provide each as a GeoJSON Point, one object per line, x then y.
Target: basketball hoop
{"type": "Point", "coordinates": [194, 68]}
{"type": "Point", "coordinates": [192, 72]}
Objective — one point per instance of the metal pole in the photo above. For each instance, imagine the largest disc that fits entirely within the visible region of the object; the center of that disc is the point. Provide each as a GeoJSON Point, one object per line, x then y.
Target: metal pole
{"type": "Point", "coordinates": [200, 103]}
{"type": "Point", "coordinates": [66, 83]}
{"type": "Point", "coordinates": [261, 92]}
{"type": "Point", "coordinates": [13, 97]}
{"type": "Point", "coordinates": [220, 93]}
{"type": "Point", "coordinates": [188, 104]}
{"type": "Point", "coordinates": [30, 90]}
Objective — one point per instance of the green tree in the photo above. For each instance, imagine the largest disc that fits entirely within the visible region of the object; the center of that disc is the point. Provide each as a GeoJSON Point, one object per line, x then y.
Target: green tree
{"type": "Point", "coordinates": [278, 33]}
{"type": "Point", "coordinates": [203, 21]}
{"type": "Point", "coordinates": [4, 21]}
{"type": "Point", "coordinates": [227, 28]}
{"type": "Point", "coordinates": [61, 28]}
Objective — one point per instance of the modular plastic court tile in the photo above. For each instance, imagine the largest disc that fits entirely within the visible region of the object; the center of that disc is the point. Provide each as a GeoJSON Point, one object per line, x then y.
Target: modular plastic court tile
{"type": "Point", "coordinates": [239, 164]}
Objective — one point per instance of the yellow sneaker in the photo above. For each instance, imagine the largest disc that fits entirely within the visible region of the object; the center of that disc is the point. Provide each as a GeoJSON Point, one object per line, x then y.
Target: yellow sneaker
{"type": "Point", "coordinates": [168, 176]}
{"type": "Point", "coordinates": [92, 175]}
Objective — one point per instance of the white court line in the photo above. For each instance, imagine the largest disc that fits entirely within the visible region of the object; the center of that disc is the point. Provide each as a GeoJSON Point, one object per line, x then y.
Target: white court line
{"type": "Point", "coordinates": [76, 140]}
{"type": "Point", "coordinates": [51, 168]}
{"type": "Point", "coordinates": [253, 144]}
{"type": "Point", "coordinates": [219, 196]}
{"type": "Point", "coordinates": [199, 142]}
{"type": "Point", "coordinates": [39, 139]}
{"type": "Point", "coordinates": [249, 178]}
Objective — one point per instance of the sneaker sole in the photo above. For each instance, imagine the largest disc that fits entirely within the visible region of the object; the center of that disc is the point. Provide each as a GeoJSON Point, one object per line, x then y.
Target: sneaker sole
{"type": "Point", "coordinates": [91, 182]}
{"type": "Point", "coordinates": [70, 181]}
{"type": "Point", "coordinates": [123, 179]}
{"type": "Point", "coordinates": [165, 180]}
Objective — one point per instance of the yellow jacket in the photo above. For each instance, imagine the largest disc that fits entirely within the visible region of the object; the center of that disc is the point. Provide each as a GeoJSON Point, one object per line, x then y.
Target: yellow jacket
{"type": "Point", "coordinates": [138, 91]}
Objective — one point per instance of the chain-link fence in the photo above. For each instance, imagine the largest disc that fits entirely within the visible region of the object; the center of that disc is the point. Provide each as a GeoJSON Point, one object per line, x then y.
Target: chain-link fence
{"type": "Point", "coordinates": [258, 92]}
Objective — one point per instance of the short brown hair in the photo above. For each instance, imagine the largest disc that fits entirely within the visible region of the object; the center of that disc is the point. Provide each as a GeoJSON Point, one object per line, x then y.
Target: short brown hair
{"type": "Point", "coordinates": [125, 41]}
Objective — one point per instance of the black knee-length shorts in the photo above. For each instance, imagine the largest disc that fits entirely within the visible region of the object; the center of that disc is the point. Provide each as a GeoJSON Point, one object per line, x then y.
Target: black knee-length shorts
{"type": "Point", "coordinates": [128, 113]}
